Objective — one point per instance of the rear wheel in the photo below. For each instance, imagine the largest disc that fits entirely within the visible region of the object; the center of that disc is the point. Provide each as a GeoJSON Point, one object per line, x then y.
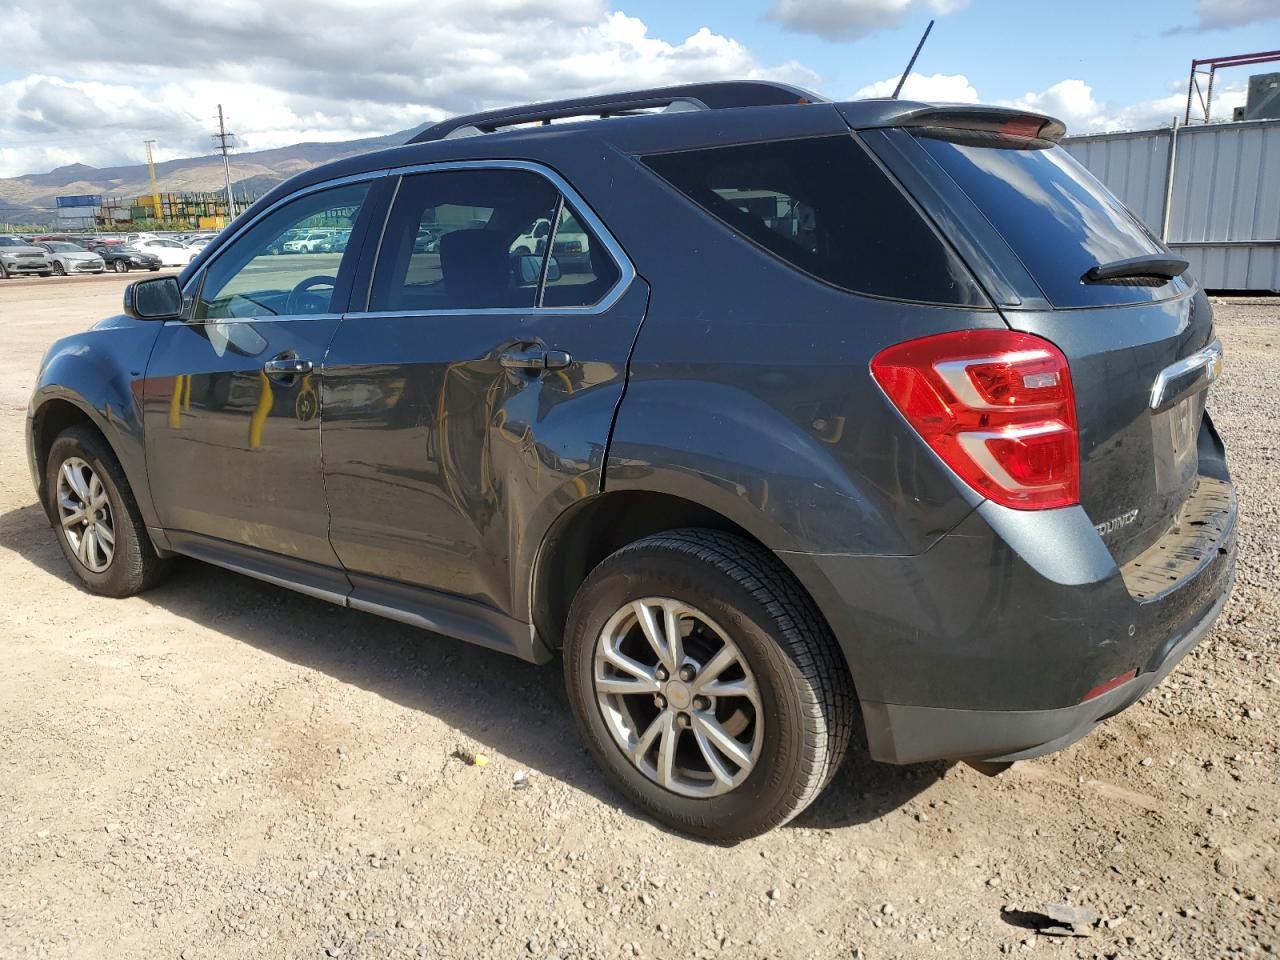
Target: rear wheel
{"type": "Point", "coordinates": [100, 528]}
{"type": "Point", "coordinates": [707, 684]}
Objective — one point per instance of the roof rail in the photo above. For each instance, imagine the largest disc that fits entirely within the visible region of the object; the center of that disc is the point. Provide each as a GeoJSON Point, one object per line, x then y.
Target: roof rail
{"type": "Point", "coordinates": [690, 96]}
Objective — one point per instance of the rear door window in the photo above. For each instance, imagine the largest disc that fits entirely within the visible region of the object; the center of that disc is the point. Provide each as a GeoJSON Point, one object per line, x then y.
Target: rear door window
{"type": "Point", "coordinates": [823, 206]}
{"type": "Point", "coordinates": [1054, 215]}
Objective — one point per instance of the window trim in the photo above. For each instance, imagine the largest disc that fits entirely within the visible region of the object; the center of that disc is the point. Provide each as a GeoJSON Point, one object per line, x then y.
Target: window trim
{"type": "Point", "coordinates": [626, 270]}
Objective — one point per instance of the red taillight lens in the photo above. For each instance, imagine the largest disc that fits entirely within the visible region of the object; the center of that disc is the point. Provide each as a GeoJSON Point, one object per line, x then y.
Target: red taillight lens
{"type": "Point", "coordinates": [997, 406]}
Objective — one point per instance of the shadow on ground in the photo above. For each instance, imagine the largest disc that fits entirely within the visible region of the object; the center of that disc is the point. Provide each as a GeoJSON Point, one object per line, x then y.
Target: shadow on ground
{"type": "Point", "coordinates": [503, 704]}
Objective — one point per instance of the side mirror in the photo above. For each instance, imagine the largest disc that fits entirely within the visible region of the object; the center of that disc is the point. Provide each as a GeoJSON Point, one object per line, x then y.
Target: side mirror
{"type": "Point", "coordinates": [156, 298]}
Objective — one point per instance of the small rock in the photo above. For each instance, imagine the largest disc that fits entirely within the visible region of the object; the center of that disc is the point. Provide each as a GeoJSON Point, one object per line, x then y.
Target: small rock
{"type": "Point", "coordinates": [888, 909]}
{"type": "Point", "coordinates": [1147, 761]}
{"type": "Point", "coordinates": [774, 893]}
{"type": "Point", "coordinates": [532, 946]}
{"type": "Point", "coordinates": [993, 881]}
{"type": "Point", "coordinates": [922, 818]}
{"type": "Point", "coordinates": [520, 780]}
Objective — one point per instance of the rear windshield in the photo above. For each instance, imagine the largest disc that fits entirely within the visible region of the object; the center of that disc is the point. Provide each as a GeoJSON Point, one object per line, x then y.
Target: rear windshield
{"type": "Point", "coordinates": [1057, 218]}
{"type": "Point", "coordinates": [823, 206]}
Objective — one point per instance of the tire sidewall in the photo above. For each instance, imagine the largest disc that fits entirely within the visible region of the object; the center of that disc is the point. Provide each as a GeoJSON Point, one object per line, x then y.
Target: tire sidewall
{"type": "Point", "coordinates": [656, 571]}
{"type": "Point", "coordinates": [114, 580]}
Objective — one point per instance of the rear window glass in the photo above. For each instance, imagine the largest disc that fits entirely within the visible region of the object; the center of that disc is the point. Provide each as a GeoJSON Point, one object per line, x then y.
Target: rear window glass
{"type": "Point", "coordinates": [1057, 218]}
{"type": "Point", "coordinates": [824, 207]}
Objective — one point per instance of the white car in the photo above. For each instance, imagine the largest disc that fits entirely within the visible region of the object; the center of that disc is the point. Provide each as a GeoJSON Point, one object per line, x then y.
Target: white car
{"type": "Point", "coordinates": [311, 242]}
{"type": "Point", "coordinates": [171, 252]}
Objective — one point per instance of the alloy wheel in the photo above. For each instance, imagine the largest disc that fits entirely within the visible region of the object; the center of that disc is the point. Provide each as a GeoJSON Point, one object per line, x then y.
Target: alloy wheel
{"type": "Point", "coordinates": [85, 514]}
{"type": "Point", "coordinates": [678, 697]}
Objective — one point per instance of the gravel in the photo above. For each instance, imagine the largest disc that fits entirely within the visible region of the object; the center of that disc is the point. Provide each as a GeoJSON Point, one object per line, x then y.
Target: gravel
{"type": "Point", "coordinates": [223, 769]}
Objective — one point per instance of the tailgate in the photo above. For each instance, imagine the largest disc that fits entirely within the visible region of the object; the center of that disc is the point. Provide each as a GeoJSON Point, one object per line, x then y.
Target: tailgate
{"type": "Point", "coordinates": [1086, 275]}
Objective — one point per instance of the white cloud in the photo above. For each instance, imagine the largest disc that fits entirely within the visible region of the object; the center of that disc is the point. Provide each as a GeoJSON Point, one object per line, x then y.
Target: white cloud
{"type": "Point", "coordinates": [850, 19]}
{"type": "Point", "coordinates": [1219, 14]}
{"type": "Point", "coordinates": [936, 88]}
{"type": "Point", "coordinates": [284, 72]}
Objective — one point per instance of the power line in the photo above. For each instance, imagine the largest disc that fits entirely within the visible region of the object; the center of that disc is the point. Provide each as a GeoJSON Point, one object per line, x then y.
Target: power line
{"type": "Point", "coordinates": [223, 147]}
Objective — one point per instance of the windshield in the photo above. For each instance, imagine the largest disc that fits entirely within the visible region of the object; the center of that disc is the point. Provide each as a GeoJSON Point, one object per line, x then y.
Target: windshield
{"type": "Point", "coordinates": [63, 246]}
{"type": "Point", "coordinates": [13, 242]}
{"type": "Point", "coordinates": [1055, 216]}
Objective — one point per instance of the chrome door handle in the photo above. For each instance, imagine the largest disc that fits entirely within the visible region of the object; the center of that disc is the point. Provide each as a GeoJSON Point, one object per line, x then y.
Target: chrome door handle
{"type": "Point", "coordinates": [290, 367]}
{"type": "Point", "coordinates": [534, 358]}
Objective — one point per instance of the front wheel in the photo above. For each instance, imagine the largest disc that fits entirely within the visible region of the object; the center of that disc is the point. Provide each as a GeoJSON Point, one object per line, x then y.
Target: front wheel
{"type": "Point", "coordinates": [121, 266]}
{"type": "Point", "coordinates": [99, 526]}
{"type": "Point", "coordinates": [707, 684]}
{"type": "Point", "coordinates": [59, 270]}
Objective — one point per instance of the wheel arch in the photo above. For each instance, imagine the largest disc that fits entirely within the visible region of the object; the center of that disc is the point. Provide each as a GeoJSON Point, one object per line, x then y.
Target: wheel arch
{"type": "Point", "coordinates": [589, 531]}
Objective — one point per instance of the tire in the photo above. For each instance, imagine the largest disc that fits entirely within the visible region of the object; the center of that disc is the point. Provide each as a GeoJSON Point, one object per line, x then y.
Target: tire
{"type": "Point", "coordinates": [46, 273]}
{"type": "Point", "coordinates": [744, 594]}
{"type": "Point", "coordinates": [153, 269]}
{"type": "Point", "coordinates": [4, 274]}
{"type": "Point", "coordinates": [134, 565]}
{"type": "Point", "coordinates": [59, 270]}
{"type": "Point", "coordinates": [120, 266]}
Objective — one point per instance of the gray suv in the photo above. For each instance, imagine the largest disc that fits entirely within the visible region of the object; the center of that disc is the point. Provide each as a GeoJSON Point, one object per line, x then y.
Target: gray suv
{"type": "Point", "coordinates": [19, 258]}
{"type": "Point", "coordinates": [878, 419]}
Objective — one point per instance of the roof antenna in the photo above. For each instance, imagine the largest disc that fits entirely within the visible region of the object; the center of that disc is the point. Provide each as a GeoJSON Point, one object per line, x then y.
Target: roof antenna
{"type": "Point", "coordinates": [911, 63]}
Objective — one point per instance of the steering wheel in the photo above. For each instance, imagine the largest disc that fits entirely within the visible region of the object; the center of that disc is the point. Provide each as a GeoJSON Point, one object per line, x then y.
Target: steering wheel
{"type": "Point", "coordinates": [303, 300]}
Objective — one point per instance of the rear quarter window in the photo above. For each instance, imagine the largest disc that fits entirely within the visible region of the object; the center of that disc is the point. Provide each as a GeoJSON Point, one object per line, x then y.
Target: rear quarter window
{"type": "Point", "coordinates": [1054, 215]}
{"type": "Point", "coordinates": [826, 208]}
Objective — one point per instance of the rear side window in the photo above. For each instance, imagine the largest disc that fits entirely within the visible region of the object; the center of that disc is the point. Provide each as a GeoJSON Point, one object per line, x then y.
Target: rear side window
{"type": "Point", "coordinates": [1054, 215]}
{"type": "Point", "coordinates": [823, 206]}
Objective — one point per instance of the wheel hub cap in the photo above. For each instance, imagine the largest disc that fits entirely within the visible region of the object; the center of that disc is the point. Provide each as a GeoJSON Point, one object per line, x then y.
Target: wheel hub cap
{"type": "Point", "coordinates": [85, 513]}
{"type": "Point", "coordinates": [678, 697]}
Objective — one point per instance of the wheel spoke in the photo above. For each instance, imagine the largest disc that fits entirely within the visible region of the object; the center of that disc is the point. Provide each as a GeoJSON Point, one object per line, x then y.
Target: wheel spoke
{"type": "Point", "coordinates": [621, 661]}
{"type": "Point", "coordinates": [106, 535]}
{"type": "Point", "coordinates": [675, 640]}
{"type": "Point", "coordinates": [651, 733]}
{"type": "Point", "coordinates": [97, 496]}
{"type": "Point", "coordinates": [624, 686]}
{"type": "Point", "coordinates": [722, 661]}
{"type": "Point", "coordinates": [730, 747]}
{"type": "Point", "coordinates": [75, 480]}
{"type": "Point", "coordinates": [82, 548]}
{"type": "Point", "coordinates": [730, 688]}
{"type": "Point", "coordinates": [667, 749]}
{"type": "Point", "coordinates": [714, 763]}
{"type": "Point", "coordinates": [652, 632]}
{"type": "Point", "coordinates": [74, 518]}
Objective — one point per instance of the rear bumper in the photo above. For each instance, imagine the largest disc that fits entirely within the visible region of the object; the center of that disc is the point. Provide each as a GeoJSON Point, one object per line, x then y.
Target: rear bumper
{"type": "Point", "coordinates": [988, 645]}
{"type": "Point", "coordinates": [898, 733]}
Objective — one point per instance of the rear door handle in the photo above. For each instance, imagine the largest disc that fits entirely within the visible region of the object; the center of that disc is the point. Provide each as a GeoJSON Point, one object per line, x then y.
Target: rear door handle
{"type": "Point", "coordinates": [534, 358]}
{"type": "Point", "coordinates": [287, 367]}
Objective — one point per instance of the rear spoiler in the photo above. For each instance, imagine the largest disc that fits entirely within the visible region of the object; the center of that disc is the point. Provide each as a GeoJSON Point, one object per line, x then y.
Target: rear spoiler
{"type": "Point", "coordinates": [955, 118]}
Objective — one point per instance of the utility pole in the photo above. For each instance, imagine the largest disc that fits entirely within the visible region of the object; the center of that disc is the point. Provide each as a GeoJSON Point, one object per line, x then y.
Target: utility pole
{"type": "Point", "coordinates": [223, 137]}
{"type": "Point", "coordinates": [155, 189]}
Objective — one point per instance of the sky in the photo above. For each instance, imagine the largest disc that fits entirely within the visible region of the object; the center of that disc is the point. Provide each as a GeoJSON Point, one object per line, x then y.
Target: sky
{"type": "Point", "coordinates": [91, 87]}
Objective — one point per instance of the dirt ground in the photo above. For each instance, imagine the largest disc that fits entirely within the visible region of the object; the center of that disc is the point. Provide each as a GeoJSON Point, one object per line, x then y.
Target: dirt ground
{"type": "Point", "coordinates": [225, 769]}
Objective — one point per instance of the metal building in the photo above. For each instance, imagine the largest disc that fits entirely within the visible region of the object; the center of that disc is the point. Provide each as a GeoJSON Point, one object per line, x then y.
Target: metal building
{"type": "Point", "coordinates": [1212, 192]}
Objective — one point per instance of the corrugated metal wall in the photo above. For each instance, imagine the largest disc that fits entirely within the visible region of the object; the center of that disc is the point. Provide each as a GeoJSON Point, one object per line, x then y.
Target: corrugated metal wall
{"type": "Point", "coordinates": [1224, 214]}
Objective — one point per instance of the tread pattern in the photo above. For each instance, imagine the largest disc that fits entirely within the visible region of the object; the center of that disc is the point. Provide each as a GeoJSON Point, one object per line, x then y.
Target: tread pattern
{"type": "Point", "coordinates": [822, 677]}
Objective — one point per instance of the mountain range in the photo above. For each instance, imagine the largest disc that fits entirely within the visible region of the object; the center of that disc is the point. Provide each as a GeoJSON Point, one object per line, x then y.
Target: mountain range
{"type": "Point", "coordinates": [32, 198]}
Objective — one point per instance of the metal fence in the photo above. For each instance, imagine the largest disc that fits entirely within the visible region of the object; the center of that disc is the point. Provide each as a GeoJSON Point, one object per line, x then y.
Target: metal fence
{"type": "Point", "coordinates": [1211, 192]}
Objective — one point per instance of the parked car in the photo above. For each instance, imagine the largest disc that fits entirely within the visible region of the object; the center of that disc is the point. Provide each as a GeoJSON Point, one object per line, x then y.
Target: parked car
{"type": "Point", "coordinates": [571, 245]}
{"type": "Point", "coordinates": [171, 252]}
{"type": "Point", "coordinates": [313, 241]}
{"type": "Point", "coordinates": [19, 257]}
{"type": "Point", "coordinates": [934, 448]}
{"type": "Point", "coordinates": [122, 258]}
{"type": "Point", "coordinates": [67, 257]}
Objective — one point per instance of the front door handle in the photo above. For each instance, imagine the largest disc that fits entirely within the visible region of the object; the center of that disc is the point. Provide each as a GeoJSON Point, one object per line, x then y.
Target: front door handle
{"type": "Point", "coordinates": [287, 367]}
{"type": "Point", "coordinates": [534, 358]}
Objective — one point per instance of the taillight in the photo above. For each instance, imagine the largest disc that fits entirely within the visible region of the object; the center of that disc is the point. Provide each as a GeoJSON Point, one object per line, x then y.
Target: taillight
{"type": "Point", "coordinates": [997, 406]}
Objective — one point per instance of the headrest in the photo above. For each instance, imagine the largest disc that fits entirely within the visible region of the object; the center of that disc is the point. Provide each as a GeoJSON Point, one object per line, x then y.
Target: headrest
{"type": "Point", "coordinates": [477, 268]}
